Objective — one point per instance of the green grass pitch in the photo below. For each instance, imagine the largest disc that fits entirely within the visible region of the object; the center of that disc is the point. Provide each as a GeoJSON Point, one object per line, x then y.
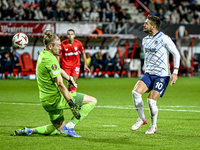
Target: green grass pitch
{"type": "Point", "coordinates": [107, 127]}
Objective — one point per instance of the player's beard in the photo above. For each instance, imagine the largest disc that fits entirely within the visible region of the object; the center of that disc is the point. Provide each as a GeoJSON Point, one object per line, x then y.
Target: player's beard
{"type": "Point", "coordinates": [149, 31]}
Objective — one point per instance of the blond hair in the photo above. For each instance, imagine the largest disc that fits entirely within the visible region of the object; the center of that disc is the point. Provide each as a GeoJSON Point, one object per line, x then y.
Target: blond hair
{"type": "Point", "coordinates": [49, 38]}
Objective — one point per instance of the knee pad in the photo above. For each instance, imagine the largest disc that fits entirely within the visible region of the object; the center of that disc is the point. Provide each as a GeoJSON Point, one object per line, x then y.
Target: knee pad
{"type": "Point", "coordinates": [137, 99]}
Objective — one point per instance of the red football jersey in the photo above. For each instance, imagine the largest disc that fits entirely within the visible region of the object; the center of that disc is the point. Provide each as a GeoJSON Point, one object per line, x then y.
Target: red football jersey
{"type": "Point", "coordinates": [69, 54]}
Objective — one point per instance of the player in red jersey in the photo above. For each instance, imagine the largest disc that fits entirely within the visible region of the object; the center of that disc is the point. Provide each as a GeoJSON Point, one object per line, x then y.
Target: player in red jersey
{"type": "Point", "coordinates": [70, 57]}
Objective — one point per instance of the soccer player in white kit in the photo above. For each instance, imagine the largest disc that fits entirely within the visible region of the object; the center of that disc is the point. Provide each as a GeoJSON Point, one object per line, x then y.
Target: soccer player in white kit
{"type": "Point", "coordinates": [156, 46]}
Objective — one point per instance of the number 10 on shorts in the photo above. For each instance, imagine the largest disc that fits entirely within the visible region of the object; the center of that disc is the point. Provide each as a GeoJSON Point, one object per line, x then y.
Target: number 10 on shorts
{"type": "Point", "coordinates": [159, 85]}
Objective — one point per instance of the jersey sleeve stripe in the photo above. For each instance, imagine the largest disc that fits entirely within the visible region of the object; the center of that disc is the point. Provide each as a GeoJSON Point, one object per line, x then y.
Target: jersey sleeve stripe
{"type": "Point", "coordinates": [55, 72]}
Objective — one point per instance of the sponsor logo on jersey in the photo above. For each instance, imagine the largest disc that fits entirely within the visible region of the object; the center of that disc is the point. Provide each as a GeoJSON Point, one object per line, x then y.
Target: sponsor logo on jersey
{"type": "Point", "coordinates": [150, 49]}
{"type": "Point", "coordinates": [70, 54]}
{"type": "Point", "coordinates": [54, 67]}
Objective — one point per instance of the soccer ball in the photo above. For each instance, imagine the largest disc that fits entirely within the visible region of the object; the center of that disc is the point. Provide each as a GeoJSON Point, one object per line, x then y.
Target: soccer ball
{"type": "Point", "coordinates": [20, 40]}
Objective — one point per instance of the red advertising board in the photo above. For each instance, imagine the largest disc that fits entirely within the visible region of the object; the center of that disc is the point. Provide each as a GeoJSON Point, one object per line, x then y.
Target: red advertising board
{"type": "Point", "coordinates": [33, 28]}
{"type": "Point", "coordinates": [28, 28]}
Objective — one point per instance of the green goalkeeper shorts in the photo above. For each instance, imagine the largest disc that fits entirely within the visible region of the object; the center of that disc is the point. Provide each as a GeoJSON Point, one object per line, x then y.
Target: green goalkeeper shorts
{"type": "Point", "coordinates": [55, 109]}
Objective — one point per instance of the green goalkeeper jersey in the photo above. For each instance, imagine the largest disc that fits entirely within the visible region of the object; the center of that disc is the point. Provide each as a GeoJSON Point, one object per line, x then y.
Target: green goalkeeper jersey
{"type": "Point", "coordinates": [47, 69]}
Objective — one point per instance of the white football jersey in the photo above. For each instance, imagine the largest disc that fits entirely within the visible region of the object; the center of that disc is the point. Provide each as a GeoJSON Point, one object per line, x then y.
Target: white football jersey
{"type": "Point", "coordinates": [156, 49]}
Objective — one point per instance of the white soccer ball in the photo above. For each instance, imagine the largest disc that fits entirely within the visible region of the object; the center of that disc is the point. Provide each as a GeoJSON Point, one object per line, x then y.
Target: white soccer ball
{"type": "Point", "coordinates": [20, 40]}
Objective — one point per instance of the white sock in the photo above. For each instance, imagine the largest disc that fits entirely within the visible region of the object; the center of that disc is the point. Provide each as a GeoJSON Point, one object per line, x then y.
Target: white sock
{"type": "Point", "coordinates": [153, 111]}
{"type": "Point", "coordinates": [138, 102]}
{"type": "Point", "coordinates": [70, 125]}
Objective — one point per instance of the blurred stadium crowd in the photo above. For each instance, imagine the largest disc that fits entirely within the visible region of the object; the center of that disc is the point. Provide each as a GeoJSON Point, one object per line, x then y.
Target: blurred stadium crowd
{"type": "Point", "coordinates": [170, 11]}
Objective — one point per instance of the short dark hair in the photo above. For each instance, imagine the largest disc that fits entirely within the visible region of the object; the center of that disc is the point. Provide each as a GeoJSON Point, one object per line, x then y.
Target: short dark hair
{"type": "Point", "coordinates": [70, 30]}
{"type": "Point", "coordinates": [155, 21]}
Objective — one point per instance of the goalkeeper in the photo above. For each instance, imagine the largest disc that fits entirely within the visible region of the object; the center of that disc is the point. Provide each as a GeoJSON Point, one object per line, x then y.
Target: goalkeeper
{"type": "Point", "coordinates": [54, 95]}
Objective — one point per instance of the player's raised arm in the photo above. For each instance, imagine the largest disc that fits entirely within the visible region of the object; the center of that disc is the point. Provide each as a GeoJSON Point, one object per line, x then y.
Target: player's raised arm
{"type": "Point", "coordinates": [171, 47]}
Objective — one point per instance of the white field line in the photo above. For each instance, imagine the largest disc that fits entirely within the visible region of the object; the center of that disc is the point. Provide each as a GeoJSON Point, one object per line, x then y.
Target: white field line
{"type": "Point", "coordinates": [163, 108]}
{"type": "Point", "coordinates": [18, 103]}
{"type": "Point", "coordinates": [109, 125]}
{"type": "Point", "coordinates": [159, 107]}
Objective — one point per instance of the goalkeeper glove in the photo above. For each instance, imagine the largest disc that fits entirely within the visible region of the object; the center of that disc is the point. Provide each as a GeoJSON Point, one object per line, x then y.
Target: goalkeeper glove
{"type": "Point", "coordinates": [72, 82]}
{"type": "Point", "coordinates": [74, 109]}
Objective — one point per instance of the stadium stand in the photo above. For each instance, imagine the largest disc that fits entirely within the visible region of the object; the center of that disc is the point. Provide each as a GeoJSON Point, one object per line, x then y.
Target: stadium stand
{"type": "Point", "coordinates": [128, 13]}
{"type": "Point", "coordinates": [137, 9]}
{"type": "Point", "coordinates": [27, 63]}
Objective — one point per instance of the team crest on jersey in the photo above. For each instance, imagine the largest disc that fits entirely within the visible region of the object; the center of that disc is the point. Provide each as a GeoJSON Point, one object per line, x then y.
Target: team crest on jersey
{"type": "Point", "coordinates": [66, 49]}
{"type": "Point", "coordinates": [156, 42]}
{"type": "Point", "coordinates": [161, 80]}
{"type": "Point", "coordinates": [75, 48]}
{"type": "Point", "coordinates": [54, 67]}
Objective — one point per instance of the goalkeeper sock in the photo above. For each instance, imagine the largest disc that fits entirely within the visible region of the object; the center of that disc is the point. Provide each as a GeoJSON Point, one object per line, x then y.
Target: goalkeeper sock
{"type": "Point", "coordinates": [55, 132]}
{"type": "Point", "coordinates": [48, 129]}
{"type": "Point", "coordinates": [85, 109]}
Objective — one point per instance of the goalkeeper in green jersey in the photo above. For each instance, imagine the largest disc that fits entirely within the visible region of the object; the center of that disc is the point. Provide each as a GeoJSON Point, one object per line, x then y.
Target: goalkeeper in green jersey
{"type": "Point", "coordinates": [54, 95]}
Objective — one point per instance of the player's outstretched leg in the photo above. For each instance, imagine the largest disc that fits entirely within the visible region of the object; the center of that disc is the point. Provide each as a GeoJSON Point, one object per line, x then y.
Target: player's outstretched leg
{"type": "Point", "coordinates": [138, 102]}
{"type": "Point", "coordinates": [153, 111]}
{"type": "Point", "coordinates": [22, 132]}
{"type": "Point", "coordinates": [44, 130]}
{"type": "Point", "coordinates": [17, 132]}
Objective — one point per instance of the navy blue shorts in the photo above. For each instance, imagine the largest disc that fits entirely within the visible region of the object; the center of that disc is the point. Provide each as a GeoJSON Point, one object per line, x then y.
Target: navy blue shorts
{"type": "Point", "coordinates": [156, 83]}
